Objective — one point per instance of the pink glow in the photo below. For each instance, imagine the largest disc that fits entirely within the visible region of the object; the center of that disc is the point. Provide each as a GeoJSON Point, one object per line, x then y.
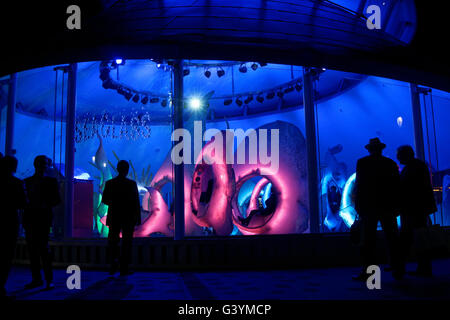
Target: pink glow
{"type": "Point", "coordinates": [222, 211]}
{"type": "Point", "coordinates": [255, 193]}
{"type": "Point", "coordinates": [217, 212]}
{"type": "Point", "coordinates": [291, 214]}
{"type": "Point", "coordinates": [154, 200]}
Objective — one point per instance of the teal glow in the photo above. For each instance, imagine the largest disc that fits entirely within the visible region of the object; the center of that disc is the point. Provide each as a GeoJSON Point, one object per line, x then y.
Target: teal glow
{"type": "Point", "coordinates": [348, 212]}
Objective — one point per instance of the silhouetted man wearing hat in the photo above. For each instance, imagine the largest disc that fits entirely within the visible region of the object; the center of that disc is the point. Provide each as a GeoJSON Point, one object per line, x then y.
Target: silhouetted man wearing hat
{"type": "Point", "coordinates": [42, 194]}
{"type": "Point", "coordinates": [417, 203]}
{"type": "Point", "coordinates": [124, 213]}
{"type": "Point", "coordinates": [377, 187]}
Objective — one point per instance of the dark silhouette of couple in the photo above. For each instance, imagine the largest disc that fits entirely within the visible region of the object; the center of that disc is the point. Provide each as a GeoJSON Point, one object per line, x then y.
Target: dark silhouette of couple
{"type": "Point", "coordinates": [381, 194]}
{"type": "Point", "coordinates": [36, 196]}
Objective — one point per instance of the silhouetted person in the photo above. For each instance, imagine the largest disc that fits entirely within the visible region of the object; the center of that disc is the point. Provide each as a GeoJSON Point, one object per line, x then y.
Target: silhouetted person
{"type": "Point", "coordinates": [271, 205]}
{"type": "Point", "coordinates": [42, 194]}
{"type": "Point", "coordinates": [124, 213]}
{"type": "Point", "coordinates": [376, 200]}
{"type": "Point", "coordinates": [417, 203]}
{"type": "Point", "coordinates": [12, 199]}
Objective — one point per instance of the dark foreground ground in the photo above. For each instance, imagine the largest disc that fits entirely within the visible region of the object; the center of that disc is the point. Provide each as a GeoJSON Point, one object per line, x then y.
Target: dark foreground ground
{"type": "Point", "coordinates": [303, 284]}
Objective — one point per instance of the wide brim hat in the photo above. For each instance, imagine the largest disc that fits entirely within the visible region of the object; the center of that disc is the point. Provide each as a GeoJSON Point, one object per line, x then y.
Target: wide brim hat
{"type": "Point", "coordinates": [375, 143]}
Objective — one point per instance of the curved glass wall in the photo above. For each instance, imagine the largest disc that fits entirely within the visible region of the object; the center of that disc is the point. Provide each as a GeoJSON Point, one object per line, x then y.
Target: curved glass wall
{"type": "Point", "coordinates": [244, 151]}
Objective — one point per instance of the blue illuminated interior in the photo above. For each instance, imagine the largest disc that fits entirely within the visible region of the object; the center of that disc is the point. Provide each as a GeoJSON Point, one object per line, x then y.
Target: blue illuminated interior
{"type": "Point", "coordinates": [351, 109]}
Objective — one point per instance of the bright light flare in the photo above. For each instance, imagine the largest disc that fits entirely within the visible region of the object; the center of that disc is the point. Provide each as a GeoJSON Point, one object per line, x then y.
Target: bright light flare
{"type": "Point", "coordinates": [195, 103]}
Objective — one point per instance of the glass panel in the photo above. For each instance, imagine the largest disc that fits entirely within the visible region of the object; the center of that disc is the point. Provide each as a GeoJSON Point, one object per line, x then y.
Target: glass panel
{"type": "Point", "coordinates": [38, 130]}
{"type": "Point", "coordinates": [361, 109]}
{"type": "Point", "coordinates": [435, 111]}
{"type": "Point", "coordinates": [250, 176]}
{"type": "Point", "coordinates": [3, 107]}
{"type": "Point", "coordinates": [127, 121]}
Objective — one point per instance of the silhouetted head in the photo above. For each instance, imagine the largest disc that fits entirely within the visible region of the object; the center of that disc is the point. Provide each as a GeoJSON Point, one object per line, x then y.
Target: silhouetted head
{"type": "Point", "coordinates": [405, 154]}
{"type": "Point", "coordinates": [41, 164]}
{"type": "Point", "coordinates": [122, 168]}
{"type": "Point", "coordinates": [8, 165]}
{"type": "Point", "coordinates": [375, 146]}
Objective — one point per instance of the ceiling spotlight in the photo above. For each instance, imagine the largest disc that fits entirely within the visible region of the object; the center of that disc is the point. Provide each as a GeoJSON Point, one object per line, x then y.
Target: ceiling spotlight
{"type": "Point", "coordinates": [104, 74]}
{"type": "Point", "coordinates": [289, 89]}
{"type": "Point", "coordinates": [260, 98]}
{"type": "Point", "coordinates": [195, 103]}
{"type": "Point", "coordinates": [107, 84]}
{"type": "Point", "coordinates": [186, 72]}
{"type": "Point", "coordinates": [239, 102]}
{"type": "Point", "coordinates": [249, 99]}
{"type": "Point", "coordinates": [121, 90]}
{"type": "Point", "coordinates": [154, 100]}
{"type": "Point", "coordinates": [207, 73]}
{"type": "Point", "coordinates": [254, 66]}
{"type": "Point", "coordinates": [120, 61]}
{"type": "Point", "coordinates": [220, 73]}
{"type": "Point", "coordinates": [227, 102]}
{"type": "Point", "coordinates": [128, 95]}
{"type": "Point", "coordinates": [136, 98]}
{"type": "Point", "coordinates": [270, 95]}
{"type": "Point", "coordinates": [164, 103]}
{"type": "Point", "coordinates": [144, 100]}
{"type": "Point", "coordinates": [243, 68]}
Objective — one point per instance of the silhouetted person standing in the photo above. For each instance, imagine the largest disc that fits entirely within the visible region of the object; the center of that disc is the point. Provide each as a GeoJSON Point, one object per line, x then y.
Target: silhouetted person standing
{"type": "Point", "coordinates": [376, 188]}
{"type": "Point", "coordinates": [42, 194]}
{"type": "Point", "coordinates": [417, 204]}
{"type": "Point", "coordinates": [12, 199]}
{"type": "Point", "coordinates": [124, 213]}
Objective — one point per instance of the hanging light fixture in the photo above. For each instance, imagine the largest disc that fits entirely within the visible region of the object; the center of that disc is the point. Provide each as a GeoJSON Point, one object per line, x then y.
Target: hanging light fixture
{"type": "Point", "coordinates": [280, 94]}
{"type": "Point", "coordinates": [220, 72]}
{"type": "Point", "coordinates": [270, 95]}
{"type": "Point", "coordinates": [136, 98]}
{"type": "Point", "coordinates": [227, 102]}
